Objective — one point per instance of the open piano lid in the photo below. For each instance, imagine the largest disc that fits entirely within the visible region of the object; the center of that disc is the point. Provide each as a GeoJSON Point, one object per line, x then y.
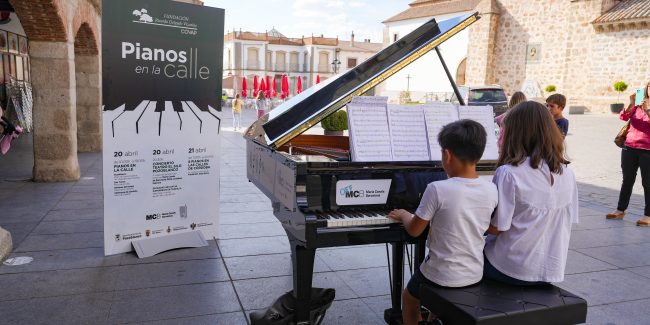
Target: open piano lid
{"type": "Point", "coordinates": [301, 112]}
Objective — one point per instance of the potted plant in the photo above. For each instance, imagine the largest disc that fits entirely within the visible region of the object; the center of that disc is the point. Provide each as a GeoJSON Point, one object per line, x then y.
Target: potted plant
{"type": "Point", "coordinates": [619, 87]}
{"type": "Point", "coordinates": [550, 89]}
{"type": "Point", "coordinates": [335, 123]}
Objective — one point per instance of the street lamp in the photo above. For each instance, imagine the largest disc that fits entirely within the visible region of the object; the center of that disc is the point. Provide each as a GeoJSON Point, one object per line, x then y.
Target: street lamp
{"type": "Point", "coordinates": [335, 65]}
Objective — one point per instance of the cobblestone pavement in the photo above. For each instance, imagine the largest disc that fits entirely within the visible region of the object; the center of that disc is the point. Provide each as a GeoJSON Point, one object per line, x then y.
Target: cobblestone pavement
{"type": "Point", "coordinates": [70, 281]}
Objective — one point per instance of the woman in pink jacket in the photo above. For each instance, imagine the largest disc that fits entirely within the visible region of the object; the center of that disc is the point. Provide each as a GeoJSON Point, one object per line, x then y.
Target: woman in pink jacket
{"type": "Point", "coordinates": [635, 155]}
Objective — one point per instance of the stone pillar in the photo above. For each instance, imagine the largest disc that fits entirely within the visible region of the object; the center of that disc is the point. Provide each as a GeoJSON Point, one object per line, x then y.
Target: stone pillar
{"type": "Point", "coordinates": [55, 123]}
{"type": "Point", "coordinates": [89, 122]}
{"type": "Point", "coordinates": [482, 39]}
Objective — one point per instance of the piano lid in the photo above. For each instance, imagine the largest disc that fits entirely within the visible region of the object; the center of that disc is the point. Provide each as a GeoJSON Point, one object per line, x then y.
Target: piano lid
{"type": "Point", "coordinates": [301, 112]}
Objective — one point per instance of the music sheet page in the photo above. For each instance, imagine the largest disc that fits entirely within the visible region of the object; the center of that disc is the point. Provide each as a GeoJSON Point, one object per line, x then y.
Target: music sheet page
{"type": "Point", "coordinates": [408, 133]}
{"type": "Point", "coordinates": [368, 129]}
{"type": "Point", "coordinates": [485, 116]}
{"type": "Point", "coordinates": [437, 115]}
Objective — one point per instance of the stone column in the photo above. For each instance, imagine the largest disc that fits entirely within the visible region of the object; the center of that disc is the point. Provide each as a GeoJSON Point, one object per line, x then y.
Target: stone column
{"type": "Point", "coordinates": [89, 122]}
{"type": "Point", "coordinates": [55, 123]}
{"type": "Point", "coordinates": [482, 39]}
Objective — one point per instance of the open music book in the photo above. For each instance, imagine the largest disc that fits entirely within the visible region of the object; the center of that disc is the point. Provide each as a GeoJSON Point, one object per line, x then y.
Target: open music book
{"type": "Point", "coordinates": [382, 132]}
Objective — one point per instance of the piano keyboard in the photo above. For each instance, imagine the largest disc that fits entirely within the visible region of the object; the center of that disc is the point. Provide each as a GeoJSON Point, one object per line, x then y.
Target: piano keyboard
{"type": "Point", "coordinates": [172, 115]}
{"type": "Point", "coordinates": [355, 218]}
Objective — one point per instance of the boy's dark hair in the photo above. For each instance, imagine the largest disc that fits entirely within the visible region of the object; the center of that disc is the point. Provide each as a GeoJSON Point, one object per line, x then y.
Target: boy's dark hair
{"type": "Point", "coordinates": [465, 139]}
{"type": "Point", "coordinates": [557, 99]}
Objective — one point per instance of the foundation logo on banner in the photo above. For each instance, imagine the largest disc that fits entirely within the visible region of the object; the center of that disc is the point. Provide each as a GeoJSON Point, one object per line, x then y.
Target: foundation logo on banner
{"type": "Point", "coordinates": [142, 16]}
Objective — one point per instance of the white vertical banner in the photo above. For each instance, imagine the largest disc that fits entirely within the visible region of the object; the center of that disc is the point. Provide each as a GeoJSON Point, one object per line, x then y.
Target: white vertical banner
{"type": "Point", "coordinates": [161, 90]}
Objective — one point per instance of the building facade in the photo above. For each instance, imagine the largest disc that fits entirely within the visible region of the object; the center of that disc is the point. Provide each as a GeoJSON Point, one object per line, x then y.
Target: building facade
{"type": "Point", "coordinates": [425, 78]}
{"type": "Point", "coordinates": [250, 54]}
{"type": "Point", "coordinates": [581, 46]}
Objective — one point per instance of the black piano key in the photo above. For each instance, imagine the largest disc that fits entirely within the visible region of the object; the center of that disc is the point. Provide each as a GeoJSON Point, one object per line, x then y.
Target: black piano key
{"type": "Point", "coordinates": [178, 106]}
{"type": "Point", "coordinates": [160, 106]}
{"type": "Point", "coordinates": [132, 105]}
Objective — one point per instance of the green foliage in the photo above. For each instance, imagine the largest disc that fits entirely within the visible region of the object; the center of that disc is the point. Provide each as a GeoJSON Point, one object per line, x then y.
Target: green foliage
{"type": "Point", "coordinates": [550, 88]}
{"type": "Point", "coordinates": [620, 86]}
{"type": "Point", "coordinates": [337, 121]}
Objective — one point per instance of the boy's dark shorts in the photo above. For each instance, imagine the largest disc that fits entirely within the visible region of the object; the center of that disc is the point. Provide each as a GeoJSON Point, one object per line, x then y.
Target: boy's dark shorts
{"type": "Point", "coordinates": [417, 279]}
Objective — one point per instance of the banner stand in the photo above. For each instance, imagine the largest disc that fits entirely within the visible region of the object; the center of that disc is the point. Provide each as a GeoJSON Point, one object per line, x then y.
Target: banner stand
{"type": "Point", "coordinates": [152, 246]}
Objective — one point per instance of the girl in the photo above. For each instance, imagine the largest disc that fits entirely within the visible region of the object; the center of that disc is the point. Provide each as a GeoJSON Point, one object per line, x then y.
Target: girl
{"type": "Point", "coordinates": [261, 104]}
{"type": "Point", "coordinates": [236, 112]}
{"type": "Point", "coordinates": [635, 155]}
{"type": "Point", "coordinates": [517, 97]}
{"type": "Point", "coordinates": [538, 201]}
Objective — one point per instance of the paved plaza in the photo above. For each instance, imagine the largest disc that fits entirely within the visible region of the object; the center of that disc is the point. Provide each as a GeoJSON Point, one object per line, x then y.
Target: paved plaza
{"type": "Point", "coordinates": [70, 281]}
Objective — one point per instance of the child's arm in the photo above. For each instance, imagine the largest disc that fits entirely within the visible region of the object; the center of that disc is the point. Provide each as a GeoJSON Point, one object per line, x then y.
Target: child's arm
{"type": "Point", "coordinates": [413, 224]}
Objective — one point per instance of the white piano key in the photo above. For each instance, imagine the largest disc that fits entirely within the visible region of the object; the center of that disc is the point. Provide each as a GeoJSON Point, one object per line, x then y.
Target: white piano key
{"type": "Point", "coordinates": [124, 123]}
{"type": "Point", "coordinates": [170, 120]}
{"type": "Point", "coordinates": [147, 123]}
{"type": "Point", "coordinates": [192, 121]}
{"type": "Point", "coordinates": [110, 116]}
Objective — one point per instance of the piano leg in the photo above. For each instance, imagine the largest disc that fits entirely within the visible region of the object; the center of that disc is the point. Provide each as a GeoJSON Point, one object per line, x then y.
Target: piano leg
{"type": "Point", "coordinates": [303, 270]}
{"type": "Point", "coordinates": [393, 316]}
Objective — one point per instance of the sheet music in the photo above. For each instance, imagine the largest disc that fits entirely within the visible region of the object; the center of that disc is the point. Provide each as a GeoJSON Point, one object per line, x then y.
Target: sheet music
{"type": "Point", "coordinates": [437, 115]}
{"type": "Point", "coordinates": [378, 100]}
{"type": "Point", "coordinates": [368, 129]}
{"type": "Point", "coordinates": [408, 134]}
{"type": "Point", "coordinates": [485, 116]}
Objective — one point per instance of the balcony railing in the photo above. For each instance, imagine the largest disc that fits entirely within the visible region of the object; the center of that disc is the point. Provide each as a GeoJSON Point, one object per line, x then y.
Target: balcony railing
{"type": "Point", "coordinates": [280, 67]}
{"type": "Point", "coordinates": [294, 67]}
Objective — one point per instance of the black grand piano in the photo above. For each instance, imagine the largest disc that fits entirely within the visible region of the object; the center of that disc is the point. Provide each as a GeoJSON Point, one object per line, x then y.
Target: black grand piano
{"type": "Point", "coordinates": [299, 172]}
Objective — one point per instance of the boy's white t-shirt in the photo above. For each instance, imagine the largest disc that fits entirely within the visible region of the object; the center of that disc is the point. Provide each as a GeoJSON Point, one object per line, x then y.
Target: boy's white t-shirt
{"type": "Point", "coordinates": [458, 211]}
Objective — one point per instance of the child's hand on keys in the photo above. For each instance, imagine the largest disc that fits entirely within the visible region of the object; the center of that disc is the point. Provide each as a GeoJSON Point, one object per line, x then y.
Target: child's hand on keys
{"type": "Point", "coordinates": [399, 215]}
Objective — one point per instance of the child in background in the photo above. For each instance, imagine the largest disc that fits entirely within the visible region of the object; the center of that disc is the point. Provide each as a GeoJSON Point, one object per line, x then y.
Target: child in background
{"type": "Point", "coordinates": [555, 104]}
{"type": "Point", "coordinates": [458, 210]}
{"type": "Point", "coordinates": [517, 97]}
{"type": "Point", "coordinates": [236, 112]}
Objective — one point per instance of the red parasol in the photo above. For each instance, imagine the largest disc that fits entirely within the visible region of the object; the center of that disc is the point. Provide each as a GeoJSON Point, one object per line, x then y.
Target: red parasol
{"type": "Point", "coordinates": [263, 86]}
{"type": "Point", "coordinates": [299, 85]}
{"type": "Point", "coordinates": [255, 86]}
{"type": "Point", "coordinates": [244, 91]}
{"type": "Point", "coordinates": [268, 86]}
{"type": "Point", "coordinates": [317, 78]}
{"type": "Point", "coordinates": [285, 86]}
{"type": "Point", "coordinates": [274, 90]}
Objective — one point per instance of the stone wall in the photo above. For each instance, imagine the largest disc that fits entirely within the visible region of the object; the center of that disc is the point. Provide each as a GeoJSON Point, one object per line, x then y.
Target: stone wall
{"type": "Point", "coordinates": [582, 62]}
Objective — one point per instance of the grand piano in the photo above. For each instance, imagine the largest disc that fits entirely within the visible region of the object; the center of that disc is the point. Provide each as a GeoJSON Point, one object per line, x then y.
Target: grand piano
{"type": "Point", "coordinates": [299, 172]}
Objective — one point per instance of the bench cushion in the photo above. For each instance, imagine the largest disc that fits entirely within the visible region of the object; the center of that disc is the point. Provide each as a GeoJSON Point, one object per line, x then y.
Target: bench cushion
{"type": "Point", "coordinates": [490, 302]}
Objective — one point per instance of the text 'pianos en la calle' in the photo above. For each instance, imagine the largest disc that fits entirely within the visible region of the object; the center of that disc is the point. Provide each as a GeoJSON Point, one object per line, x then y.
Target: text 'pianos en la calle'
{"type": "Point", "coordinates": [299, 173]}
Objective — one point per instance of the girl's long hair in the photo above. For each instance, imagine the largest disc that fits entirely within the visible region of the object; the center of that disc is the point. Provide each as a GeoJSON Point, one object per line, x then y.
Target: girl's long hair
{"type": "Point", "coordinates": [517, 97]}
{"type": "Point", "coordinates": [531, 132]}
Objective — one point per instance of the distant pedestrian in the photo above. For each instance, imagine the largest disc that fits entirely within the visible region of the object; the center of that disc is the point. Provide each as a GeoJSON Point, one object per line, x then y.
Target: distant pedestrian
{"type": "Point", "coordinates": [261, 104]}
{"type": "Point", "coordinates": [236, 112]}
{"type": "Point", "coordinates": [555, 104]}
{"type": "Point", "coordinates": [538, 201]}
{"type": "Point", "coordinates": [635, 155]}
{"type": "Point", "coordinates": [517, 97]}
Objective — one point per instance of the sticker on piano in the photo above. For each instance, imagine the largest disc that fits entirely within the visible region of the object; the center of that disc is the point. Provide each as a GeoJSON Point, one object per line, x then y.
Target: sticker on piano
{"type": "Point", "coordinates": [367, 191]}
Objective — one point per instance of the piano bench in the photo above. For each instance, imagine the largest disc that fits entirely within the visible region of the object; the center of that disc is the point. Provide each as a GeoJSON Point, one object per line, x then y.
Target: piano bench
{"type": "Point", "coordinates": [490, 302]}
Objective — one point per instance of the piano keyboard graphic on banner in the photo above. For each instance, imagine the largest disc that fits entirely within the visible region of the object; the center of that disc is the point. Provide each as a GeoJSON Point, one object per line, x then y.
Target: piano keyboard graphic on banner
{"type": "Point", "coordinates": [149, 117]}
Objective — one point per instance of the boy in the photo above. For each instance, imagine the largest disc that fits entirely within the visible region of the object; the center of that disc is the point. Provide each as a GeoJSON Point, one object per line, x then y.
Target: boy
{"type": "Point", "coordinates": [458, 211]}
{"type": "Point", "coordinates": [555, 104]}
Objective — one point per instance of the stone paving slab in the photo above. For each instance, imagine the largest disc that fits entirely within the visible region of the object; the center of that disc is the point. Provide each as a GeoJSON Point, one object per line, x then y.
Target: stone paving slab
{"type": "Point", "coordinates": [77, 309]}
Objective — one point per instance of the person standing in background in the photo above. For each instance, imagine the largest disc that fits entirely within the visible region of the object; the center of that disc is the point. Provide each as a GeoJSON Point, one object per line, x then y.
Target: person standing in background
{"type": "Point", "coordinates": [634, 156]}
{"type": "Point", "coordinates": [261, 104]}
{"type": "Point", "coordinates": [236, 112]}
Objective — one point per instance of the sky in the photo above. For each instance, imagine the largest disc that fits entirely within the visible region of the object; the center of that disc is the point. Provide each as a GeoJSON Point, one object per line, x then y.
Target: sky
{"type": "Point", "coordinates": [297, 18]}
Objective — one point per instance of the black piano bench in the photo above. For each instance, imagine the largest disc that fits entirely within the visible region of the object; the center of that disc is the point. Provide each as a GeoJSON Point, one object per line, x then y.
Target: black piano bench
{"type": "Point", "coordinates": [490, 302]}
